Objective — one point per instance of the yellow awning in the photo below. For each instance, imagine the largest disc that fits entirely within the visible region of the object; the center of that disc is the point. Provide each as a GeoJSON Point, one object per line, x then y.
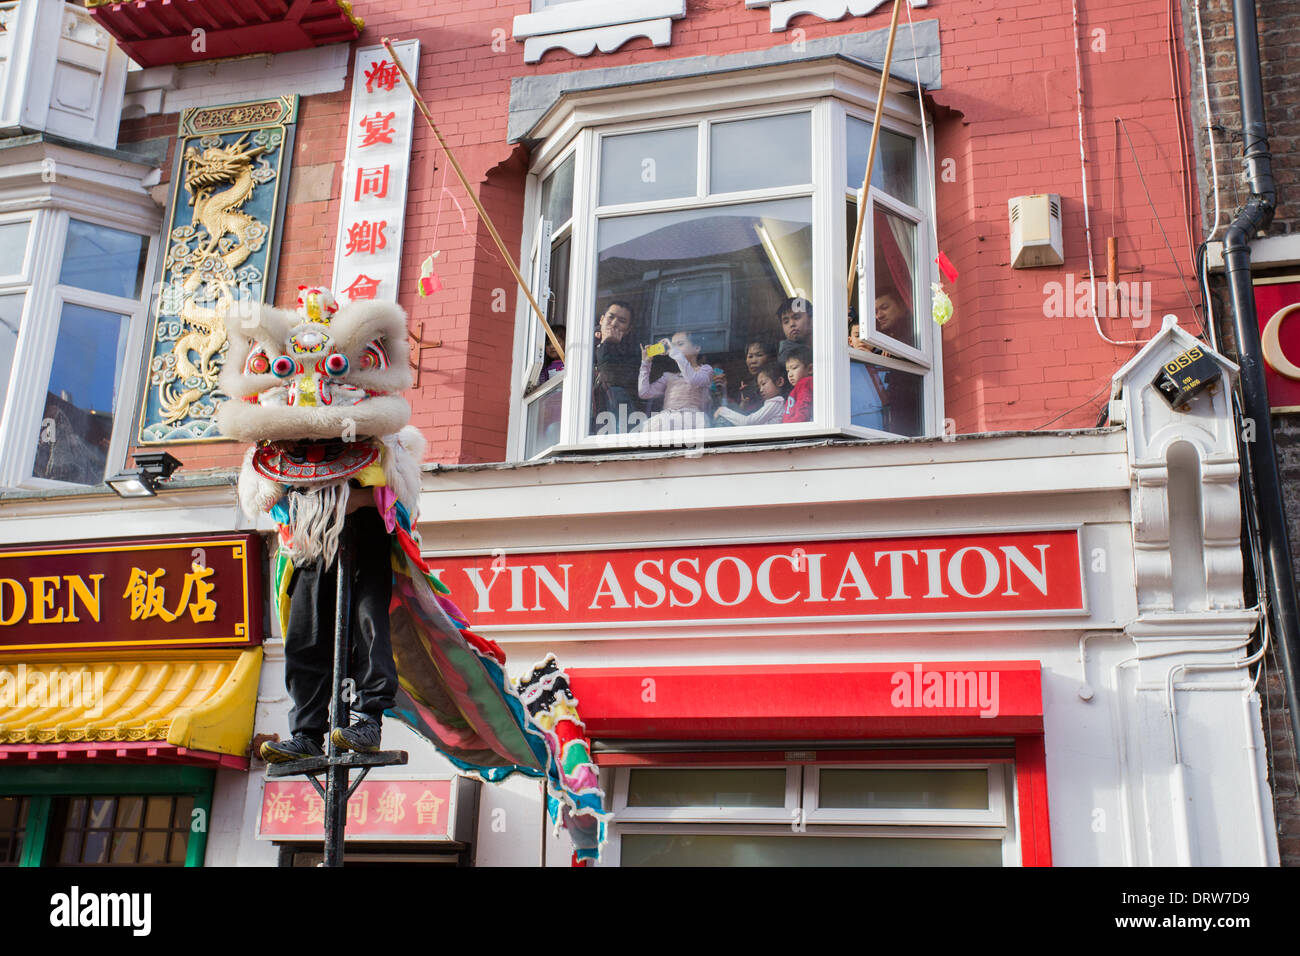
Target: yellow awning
{"type": "Point", "coordinates": [198, 703]}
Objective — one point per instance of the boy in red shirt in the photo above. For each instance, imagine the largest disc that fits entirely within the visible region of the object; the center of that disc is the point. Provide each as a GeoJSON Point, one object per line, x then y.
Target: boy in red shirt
{"type": "Point", "coordinates": [799, 373]}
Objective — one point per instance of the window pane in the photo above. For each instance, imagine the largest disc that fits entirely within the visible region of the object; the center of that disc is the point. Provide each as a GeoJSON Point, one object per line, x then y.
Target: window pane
{"type": "Point", "coordinates": [706, 788]}
{"type": "Point", "coordinates": [656, 849]}
{"type": "Point", "coordinates": [77, 424]}
{"type": "Point", "coordinates": [757, 153]}
{"type": "Point", "coordinates": [128, 811]}
{"type": "Point", "coordinates": [104, 260]}
{"type": "Point", "coordinates": [907, 789]}
{"type": "Point", "coordinates": [543, 428]}
{"type": "Point", "coordinates": [896, 292]}
{"type": "Point", "coordinates": [176, 855]}
{"type": "Point", "coordinates": [158, 816]}
{"type": "Point", "coordinates": [895, 167]}
{"type": "Point", "coordinates": [715, 282]}
{"type": "Point", "coordinates": [557, 307]}
{"type": "Point", "coordinates": [13, 820]}
{"type": "Point", "coordinates": [125, 846]}
{"type": "Point", "coordinates": [13, 246]}
{"type": "Point", "coordinates": [11, 312]}
{"type": "Point", "coordinates": [153, 847]}
{"type": "Point", "coordinates": [557, 194]}
{"type": "Point", "coordinates": [639, 167]}
{"type": "Point", "coordinates": [886, 399]}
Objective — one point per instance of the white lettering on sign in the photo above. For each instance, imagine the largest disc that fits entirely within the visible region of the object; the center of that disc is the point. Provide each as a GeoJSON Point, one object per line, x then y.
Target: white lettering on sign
{"type": "Point", "coordinates": [1012, 572]}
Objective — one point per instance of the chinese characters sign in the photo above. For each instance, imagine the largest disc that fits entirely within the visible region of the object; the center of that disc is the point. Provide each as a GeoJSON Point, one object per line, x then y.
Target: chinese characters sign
{"type": "Point", "coordinates": [379, 810]}
{"type": "Point", "coordinates": [228, 193]}
{"type": "Point", "coordinates": [372, 208]}
{"type": "Point", "coordinates": [1277, 304]}
{"type": "Point", "coordinates": [929, 575]}
{"type": "Point", "coordinates": [192, 592]}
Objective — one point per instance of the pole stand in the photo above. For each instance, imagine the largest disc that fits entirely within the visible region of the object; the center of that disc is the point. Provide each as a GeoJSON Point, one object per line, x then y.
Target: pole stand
{"type": "Point", "coordinates": [337, 764]}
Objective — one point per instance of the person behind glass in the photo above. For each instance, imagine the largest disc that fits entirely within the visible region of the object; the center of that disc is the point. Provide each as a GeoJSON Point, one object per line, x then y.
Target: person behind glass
{"type": "Point", "coordinates": [893, 318]}
{"type": "Point", "coordinates": [799, 373]}
{"type": "Point", "coordinates": [616, 366]}
{"type": "Point", "coordinates": [796, 318]}
{"type": "Point", "coordinates": [772, 389]}
{"type": "Point", "coordinates": [748, 394]}
{"type": "Point", "coordinates": [686, 395]}
{"type": "Point", "coordinates": [554, 364]}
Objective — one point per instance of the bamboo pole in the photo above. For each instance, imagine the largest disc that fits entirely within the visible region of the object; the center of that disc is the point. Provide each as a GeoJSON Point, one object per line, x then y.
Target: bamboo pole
{"type": "Point", "coordinates": [871, 150]}
{"type": "Point", "coordinates": [487, 220]}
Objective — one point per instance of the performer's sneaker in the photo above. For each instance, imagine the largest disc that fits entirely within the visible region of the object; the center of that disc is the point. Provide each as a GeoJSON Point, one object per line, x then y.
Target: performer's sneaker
{"type": "Point", "coordinates": [363, 736]}
{"type": "Point", "coordinates": [296, 748]}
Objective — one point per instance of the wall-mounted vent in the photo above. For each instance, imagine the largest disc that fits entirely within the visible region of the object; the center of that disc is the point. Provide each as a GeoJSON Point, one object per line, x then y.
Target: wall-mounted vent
{"type": "Point", "coordinates": [1036, 231]}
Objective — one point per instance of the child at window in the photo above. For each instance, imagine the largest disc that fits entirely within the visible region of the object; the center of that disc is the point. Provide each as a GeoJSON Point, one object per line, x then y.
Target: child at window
{"type": "Point", "coordinates": [796, 323]}
{"type": "Point", "coordinates": [748, 397]}
{"type": "Point", "coordinates": [772, 389]}
{"type": "Point", "coordinates": [686, 396]}
{"type": "Point", "coordinates": [554, 363]}
{"type": "Point", "coordinates": [799, 372]}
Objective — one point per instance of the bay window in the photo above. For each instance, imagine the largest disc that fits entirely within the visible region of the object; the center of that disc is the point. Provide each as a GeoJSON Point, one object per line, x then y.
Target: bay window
{"type": "Point", "coordinates": [72, 325]}
{"type": "Point", "coordinates": [696, 260]}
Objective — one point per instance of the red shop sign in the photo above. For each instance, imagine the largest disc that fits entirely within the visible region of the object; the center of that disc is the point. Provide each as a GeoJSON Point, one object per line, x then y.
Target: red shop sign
{"type": "Point", "coordinates": [995, 573]}
{"type": "Point", "coordinates": [197, 591]}
{"type": "Point", "coordinates": [379, 810]}
{"type": "Point", "coordinates": [1277, 306]}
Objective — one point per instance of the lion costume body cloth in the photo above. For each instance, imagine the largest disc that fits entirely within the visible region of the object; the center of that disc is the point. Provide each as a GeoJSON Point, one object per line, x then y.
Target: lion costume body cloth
{"type": "Point", "coordinates": [318, 391]}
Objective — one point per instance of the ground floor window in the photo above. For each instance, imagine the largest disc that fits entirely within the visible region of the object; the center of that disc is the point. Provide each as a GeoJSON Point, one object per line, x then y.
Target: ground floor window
{"type": "Point", "coordinates": [104, 816]}
{"type": "Point", "coordinates": [815, 815]}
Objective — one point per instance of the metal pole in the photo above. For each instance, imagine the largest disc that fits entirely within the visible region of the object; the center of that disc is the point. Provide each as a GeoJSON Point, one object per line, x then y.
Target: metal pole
{"type": "Point", "coordinates": [336, 780]}
{"type": "Point", "coordinates": [1253, 219]}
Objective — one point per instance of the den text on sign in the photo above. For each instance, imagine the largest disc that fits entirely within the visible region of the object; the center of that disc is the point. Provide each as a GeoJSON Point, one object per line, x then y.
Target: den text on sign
{"type": "Point", "coordinates": [190, 592]}
{"type": "Point", "coordinates": [928, 575]}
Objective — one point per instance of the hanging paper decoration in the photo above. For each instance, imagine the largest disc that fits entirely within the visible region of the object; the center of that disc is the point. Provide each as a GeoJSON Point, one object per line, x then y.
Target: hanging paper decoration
{"type": "Point", "coordinates": [429, 281]}
{"type": "Point", "coordinates": [942, 307]}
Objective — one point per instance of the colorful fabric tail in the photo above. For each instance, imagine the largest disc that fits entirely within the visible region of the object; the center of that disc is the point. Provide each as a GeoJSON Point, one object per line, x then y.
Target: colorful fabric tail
{"type": "Point", "coordinates": [454, 692]}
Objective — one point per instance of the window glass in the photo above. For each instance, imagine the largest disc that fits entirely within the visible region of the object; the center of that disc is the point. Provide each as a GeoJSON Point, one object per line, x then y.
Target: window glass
{"type": "Point", "coordinates": [125, 830]}
{"type": "Point", "coordinates": [887, 399]}
{"type": "Point", "coordinates": [706, 788]}
{"type": "Point", "coordinates": [13, 824]}
{"type": "Point", "coordinates": [757, 153]}
{"type": "Point", "coordinates": [11, 311]}
{"type": "Point", "coordinates": [895, 293]}
{"type": "Point", "coordinates": [557, 194]}
{"type": "Point", "coordinates": [895, 167]}
{"type": "Point", "coordinates": [683, 849]}
{"type": "Point", "coordinates": [104, 260]}
{"type": "Point", "coordinates": [77, 424]}
{"type": "Point", "coordinates": [907, 789]}
{"type": "Point", "coordinates": [641, 167]}
{"type": "Point", "coordinates": [543, 421]}
{"type": "Point", "coordinates": [716, 283]}
{"type": "Point", "coordinates": [13, 246]}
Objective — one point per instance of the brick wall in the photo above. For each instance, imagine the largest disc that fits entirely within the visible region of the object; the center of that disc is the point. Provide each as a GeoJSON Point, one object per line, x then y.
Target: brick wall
{"type": "Point", "coordinates": [1005, 117]}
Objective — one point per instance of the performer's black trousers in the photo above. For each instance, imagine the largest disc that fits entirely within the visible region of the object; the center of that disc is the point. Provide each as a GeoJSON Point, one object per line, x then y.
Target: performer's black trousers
{"type": "Point", "coordinates": [309, 644]}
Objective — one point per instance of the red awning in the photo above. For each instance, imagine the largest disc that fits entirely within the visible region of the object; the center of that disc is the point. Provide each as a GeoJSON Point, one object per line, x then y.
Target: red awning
{"type": "Point", "coordinates": [142, 752]}
{"type": "Point", "coordinates": [812, 702]}
{"type": "Point", "coordinates": [157, 32]}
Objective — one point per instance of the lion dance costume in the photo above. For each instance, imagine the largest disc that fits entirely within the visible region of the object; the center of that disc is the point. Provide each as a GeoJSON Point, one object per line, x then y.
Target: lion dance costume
{"type": "Point", "coordinates": [318, 392]}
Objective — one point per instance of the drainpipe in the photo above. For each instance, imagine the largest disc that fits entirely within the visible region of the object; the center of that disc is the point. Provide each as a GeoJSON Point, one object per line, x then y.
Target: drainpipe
{"type": "Point", "coordinates": [1263, 472]}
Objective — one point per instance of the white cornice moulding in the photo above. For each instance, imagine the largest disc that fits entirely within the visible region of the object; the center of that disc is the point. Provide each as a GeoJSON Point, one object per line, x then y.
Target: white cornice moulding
{"type": "Point", "coordinates": [589, 14]}
{"type": "Point", "coordinates": [44, 174]}
{"type": "Point", "coordinates": [783, 11]}
{"type": "Point", "coordinates": [607, 39]}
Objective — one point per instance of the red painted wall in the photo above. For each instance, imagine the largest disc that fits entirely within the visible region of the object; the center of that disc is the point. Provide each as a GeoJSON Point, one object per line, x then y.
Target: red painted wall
{"type": "Point", "coordinates": [1005, 117]}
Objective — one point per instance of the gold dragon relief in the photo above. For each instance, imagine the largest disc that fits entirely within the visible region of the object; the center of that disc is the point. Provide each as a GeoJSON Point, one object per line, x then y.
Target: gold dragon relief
{"type": "Point", "coordinates": [223, 212]}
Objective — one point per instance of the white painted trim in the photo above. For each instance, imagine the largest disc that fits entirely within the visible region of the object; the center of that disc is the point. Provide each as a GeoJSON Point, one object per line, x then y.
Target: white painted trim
{"type": "Point", "coordinates": [783, 11]}
{"type": "Point", "coordinates": [606, 39]}
{"type": "Point", "coordinates": [585, 14]}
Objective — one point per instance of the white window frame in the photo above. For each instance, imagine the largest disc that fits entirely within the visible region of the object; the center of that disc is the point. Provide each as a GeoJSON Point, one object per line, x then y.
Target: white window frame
{"type": "Point", "coordinates": [801, 816]}
{"type": "Point", "coordinates": [582, 130]}
{"type": "Point", "coordinates": [20, 427]}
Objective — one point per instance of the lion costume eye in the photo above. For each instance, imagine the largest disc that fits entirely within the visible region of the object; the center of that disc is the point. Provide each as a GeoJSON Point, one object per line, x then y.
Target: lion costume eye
{"type": "Point", "coordinates": [283, 367]}
{"type": "Point", "coordinates": [375, 356]}
{"type": "Point", "coordinates": [336, 363]}
{"type": "Point", "coordinates": [257, 364]}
